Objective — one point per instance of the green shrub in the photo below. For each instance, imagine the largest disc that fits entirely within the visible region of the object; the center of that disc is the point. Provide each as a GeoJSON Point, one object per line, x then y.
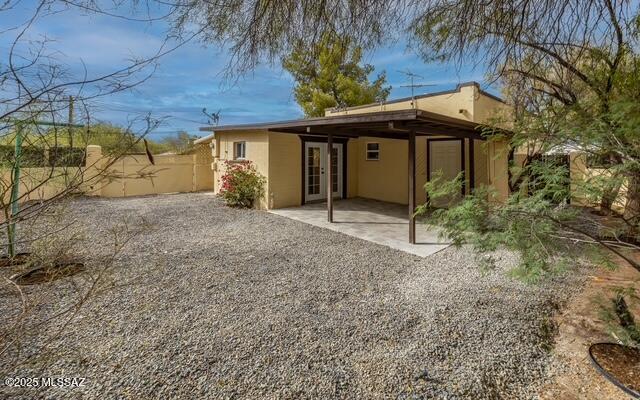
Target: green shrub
{"type": "Point", "coordinates": [242, 185]}
{"type": "Point", "coordinates": [531, 224]}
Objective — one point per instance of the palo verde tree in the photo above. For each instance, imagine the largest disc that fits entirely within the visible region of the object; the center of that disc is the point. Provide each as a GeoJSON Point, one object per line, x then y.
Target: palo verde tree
{"type": "Point", "coordinates": [46, 122]}
{"type": "Point", "coordinates": [45, 111]}
{"type": "Point", "coordinates": [569, 60]}
{"type": "Point", "coordinates": [570, 71]}
{"type": "Point", "coordinates": [330, 75]}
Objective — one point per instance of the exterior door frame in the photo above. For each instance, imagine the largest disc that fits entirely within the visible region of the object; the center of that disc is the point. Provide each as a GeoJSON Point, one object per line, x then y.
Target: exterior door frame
{"type": "Point", "coordinates": [322, 172]}
{"type": "Point", "coordinates": [322, 139]}
{"type": "Point", "coordinates": [320, 167]}
{"type": "Point", "coordinates": [462, 159]}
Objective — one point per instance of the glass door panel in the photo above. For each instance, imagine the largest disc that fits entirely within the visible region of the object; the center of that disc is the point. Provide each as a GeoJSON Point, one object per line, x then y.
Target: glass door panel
{"type": "Point", "coordinates": [315, 176]}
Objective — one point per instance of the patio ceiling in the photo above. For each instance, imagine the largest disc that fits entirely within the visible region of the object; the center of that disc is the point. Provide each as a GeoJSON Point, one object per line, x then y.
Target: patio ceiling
{"type": "Point", "coordinates": [385, 124]}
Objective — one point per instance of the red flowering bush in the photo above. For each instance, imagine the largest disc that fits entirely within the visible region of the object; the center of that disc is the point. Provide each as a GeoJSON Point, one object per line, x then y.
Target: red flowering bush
{"type": "Point", "coordinates": [242, 184]}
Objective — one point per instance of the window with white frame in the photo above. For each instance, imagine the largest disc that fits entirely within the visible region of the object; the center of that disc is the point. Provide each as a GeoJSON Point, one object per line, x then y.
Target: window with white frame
{"type": "Point", "coordinates": [239, 150]}
{"type": "Point", "coordinates": [373, 151]}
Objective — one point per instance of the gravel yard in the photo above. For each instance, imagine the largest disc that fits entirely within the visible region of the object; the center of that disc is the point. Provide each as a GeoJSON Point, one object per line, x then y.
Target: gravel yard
{"type": "Point", "coordinates": [211, 302]}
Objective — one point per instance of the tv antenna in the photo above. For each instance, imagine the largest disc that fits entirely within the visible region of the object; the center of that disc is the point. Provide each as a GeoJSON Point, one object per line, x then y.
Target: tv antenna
{"type": "Point", "coordinates": [212, 118]}
{"type": "Point", "coordinates": [413, 85]}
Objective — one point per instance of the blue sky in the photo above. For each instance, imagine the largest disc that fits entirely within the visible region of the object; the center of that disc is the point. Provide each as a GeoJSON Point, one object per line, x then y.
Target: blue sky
{"type": "Point", "coordinates": [191, 77]}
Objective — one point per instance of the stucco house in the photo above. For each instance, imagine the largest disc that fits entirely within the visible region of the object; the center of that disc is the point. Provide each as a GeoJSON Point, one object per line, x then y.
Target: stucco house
{"type": "Point", "coordinates": [384, 151]}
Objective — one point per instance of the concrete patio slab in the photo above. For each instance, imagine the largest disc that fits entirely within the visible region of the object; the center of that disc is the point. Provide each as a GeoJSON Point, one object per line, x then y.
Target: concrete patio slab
{"type": "Point", "coordinates": [376, 221]}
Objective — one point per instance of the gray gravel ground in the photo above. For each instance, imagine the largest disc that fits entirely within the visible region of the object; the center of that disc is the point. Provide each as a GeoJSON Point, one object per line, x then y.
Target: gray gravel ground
{"type": "Point", "coordinates": [211, 302]}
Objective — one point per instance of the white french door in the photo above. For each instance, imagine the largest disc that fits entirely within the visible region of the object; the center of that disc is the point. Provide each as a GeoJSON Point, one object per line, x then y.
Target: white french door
{"type": "Point", "coordinates": [315, 171]}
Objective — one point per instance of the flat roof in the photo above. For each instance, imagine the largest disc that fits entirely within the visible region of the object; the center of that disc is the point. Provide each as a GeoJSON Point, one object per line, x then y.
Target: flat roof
{"type": "Point", "coordinates": [387, 124]}
{"type": "Point", "coordinates": [423, 96]}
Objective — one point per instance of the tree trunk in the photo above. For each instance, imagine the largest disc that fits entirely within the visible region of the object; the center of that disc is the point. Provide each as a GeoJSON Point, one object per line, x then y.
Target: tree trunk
{"type": "Point", "coordinates": [609, 197]}
{"type": "Point", "coordinates": [611, 191]}
{"type": "Point", "coordinates": [632, 206]}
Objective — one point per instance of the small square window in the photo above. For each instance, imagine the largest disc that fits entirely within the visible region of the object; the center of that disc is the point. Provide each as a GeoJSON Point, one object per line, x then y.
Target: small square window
{"type": "Point", "coordinates": [239, 150]}
{"type": "Point", "coordinates": [373, 151]}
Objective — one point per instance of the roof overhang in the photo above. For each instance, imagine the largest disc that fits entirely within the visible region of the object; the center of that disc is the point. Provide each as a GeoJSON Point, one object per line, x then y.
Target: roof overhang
{"type": "Point", "coordinates": [384, 124]}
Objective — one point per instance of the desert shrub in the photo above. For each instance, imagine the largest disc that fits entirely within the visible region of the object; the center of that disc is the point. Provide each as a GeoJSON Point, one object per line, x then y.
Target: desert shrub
{"type": "Point", "coordinates": [531, 224]}
{"type": "Point", "coordinates": [242, 184]}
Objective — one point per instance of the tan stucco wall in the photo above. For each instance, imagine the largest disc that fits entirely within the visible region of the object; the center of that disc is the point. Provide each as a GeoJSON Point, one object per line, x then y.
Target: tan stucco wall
{"type": "Point", "coordinates": [448, 104]}
{"type": "Point", "coordinates": [257, 151]}
{"type": "Point", "coordinates": [467, 103]}
{"type": "Point", "coordinates": [580, 174]}
{"type": "Point", "coordinates": [498, 158]}
{"type": "Point", "coordinates": [486, 108]}
{"type": "Point", "coordinates": [133, 175]}
{"type": "Point", "coordinates": [130, 175]}
{"type": "Point", "coordinates": [481, 163]}
{"type": "Point", "coordinates": [56, 181]}
{"type": "Point", "coordinates": [278, 156]}
{"type": "Point", "coordinates": [353, 168]}
{"type": "Point", "coordinates": [37, 184]}
{"type": "Point", "coordinates": [203, 178]}
{"type": "Point", "coordinates": [285, 171]}
{"type": "Point", "coordinates": [386, 178]}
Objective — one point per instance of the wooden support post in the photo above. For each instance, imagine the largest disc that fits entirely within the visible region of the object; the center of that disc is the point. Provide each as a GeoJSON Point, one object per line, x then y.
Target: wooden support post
{"type": "Point", "coordinates": [472, 167]}
{"type": "Point", "coordinates": [412, 187]}
{"type": "Point", "coordinates": [463, 167]}
{"type": "Point", "coordinates": [329, 170]}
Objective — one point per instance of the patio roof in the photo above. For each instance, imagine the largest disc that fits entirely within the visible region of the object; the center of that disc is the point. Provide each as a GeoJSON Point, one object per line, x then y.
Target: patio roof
{"type": "Point", "coordinates": [401, 124]}
{"type": "Point", "coordinates": [385, 124]}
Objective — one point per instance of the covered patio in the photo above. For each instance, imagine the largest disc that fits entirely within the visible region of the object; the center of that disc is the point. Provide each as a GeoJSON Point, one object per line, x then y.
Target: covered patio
{"type": "Point", "coordinates": [403, 125]}
{"type": "Point", "coordinates": [330, 132]}
{"type": "Point", "coordinates": [376, 221]}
